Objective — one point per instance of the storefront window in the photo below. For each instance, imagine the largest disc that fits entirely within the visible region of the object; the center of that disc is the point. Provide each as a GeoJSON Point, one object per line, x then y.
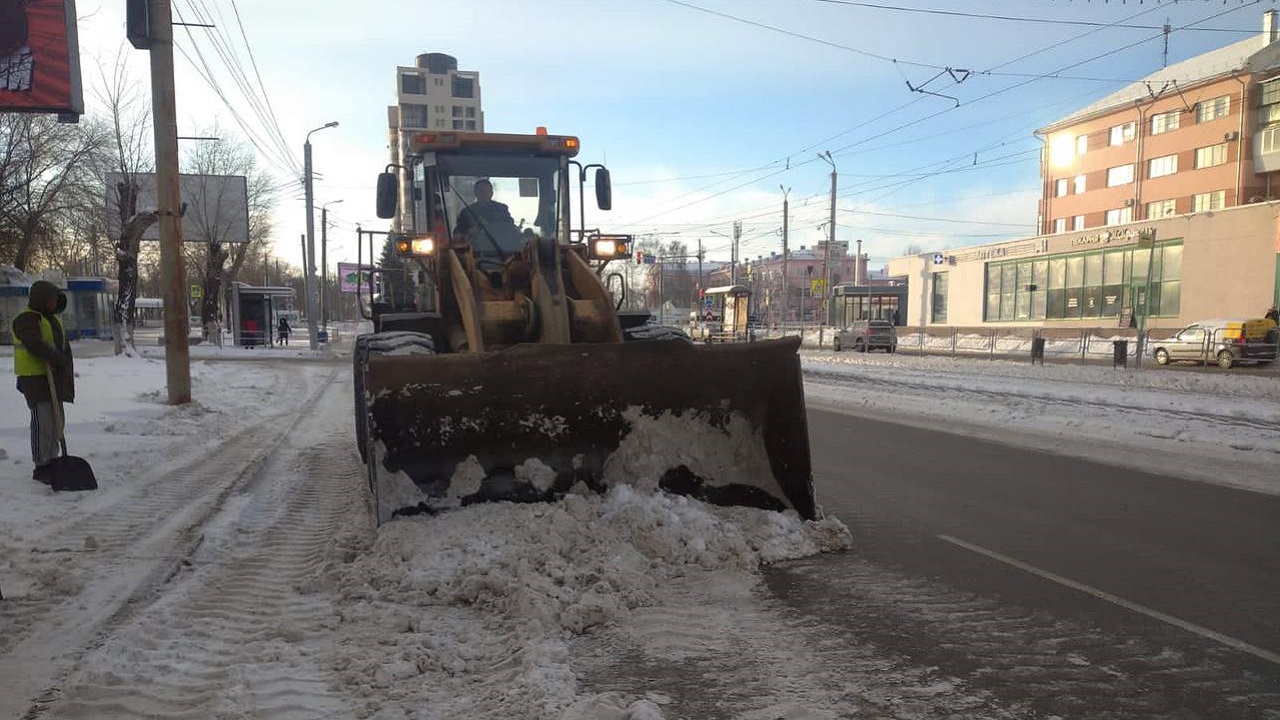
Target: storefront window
{"type": "Point", "coordinates": [1096, 284]}
{"type": "Point", "coordinates": [938, 307]}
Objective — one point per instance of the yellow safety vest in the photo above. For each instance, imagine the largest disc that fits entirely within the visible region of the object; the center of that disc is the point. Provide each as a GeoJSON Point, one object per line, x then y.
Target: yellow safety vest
{"type": "Point", "coordinates": [25, 363]}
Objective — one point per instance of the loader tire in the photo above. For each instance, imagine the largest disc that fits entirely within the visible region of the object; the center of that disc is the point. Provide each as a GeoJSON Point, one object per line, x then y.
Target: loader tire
{"type": "Point", "coordinates": [653, 331]}
{"type": "Point", "coordinates": [383, 343]}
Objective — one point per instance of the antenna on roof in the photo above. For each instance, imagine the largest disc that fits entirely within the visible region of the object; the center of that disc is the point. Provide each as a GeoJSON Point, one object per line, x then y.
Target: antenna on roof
{"type": "Point", "coordinates": [1167, 29]}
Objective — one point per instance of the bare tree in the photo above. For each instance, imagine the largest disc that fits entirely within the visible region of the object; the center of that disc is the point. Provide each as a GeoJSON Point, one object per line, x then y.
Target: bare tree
{"type": "Point", "coordinates": [42, 163]}
{"type": "Point", "coordinates": [129, 112]}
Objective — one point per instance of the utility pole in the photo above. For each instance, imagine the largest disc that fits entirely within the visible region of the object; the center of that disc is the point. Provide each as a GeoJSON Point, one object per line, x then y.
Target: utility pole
{"type": "Point", "coordinates": [309, 256]}
{"type": "Point", "coordinates": [1147, 238]}
{"type": "Point", "coordinates": [177, 353]}
{"type": "Point", "coordinates": [733, 266]}
{"type": "Point", "coordinates": [786, 253]}
{"type": "Point", "coordinates": [324, 262]}
{"type": "Point", "coordinates": [826, 256]}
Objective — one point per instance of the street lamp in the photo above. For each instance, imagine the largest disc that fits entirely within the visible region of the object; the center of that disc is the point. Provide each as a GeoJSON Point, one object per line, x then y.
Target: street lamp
{"type": "Point", "coordinates": [310, 260]}
{"type": "Point", "coordinates": [826, 256]}
{"type": "Point", "coordinates": [324, 262]}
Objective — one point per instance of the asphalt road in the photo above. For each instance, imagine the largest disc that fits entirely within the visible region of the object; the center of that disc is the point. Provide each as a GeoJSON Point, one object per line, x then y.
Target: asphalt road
{"type": "Point", "coordinates": [1055, 584]}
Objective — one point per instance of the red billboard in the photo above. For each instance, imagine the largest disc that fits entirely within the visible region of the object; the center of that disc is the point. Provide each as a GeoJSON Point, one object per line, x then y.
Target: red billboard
{"type": "Point", "coordinates": [39, 57]}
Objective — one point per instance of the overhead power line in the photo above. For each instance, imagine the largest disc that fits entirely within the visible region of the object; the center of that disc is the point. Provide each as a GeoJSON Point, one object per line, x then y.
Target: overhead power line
{"type": "Point", "coordinates": [1015, 18]}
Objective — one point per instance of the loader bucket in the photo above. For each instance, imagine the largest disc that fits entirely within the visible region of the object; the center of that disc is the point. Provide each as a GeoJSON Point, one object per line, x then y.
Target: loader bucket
{"type": "Point", "coordinates": [723, 423]}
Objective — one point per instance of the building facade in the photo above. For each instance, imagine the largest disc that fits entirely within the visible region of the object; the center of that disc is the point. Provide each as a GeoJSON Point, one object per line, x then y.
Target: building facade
{"type": "Point", "coordinates": [432, 95]}
{"type": "Point", "coordinates": [805, 269]}
{"type": "Point", "coordinates": [1200, 135]}
{"type": "Point", "coordinates": [1206, 264]}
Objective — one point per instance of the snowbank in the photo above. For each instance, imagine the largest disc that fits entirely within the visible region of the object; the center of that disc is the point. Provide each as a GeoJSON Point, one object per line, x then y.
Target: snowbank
{"type": "Point", "coordinates": [467, 614]}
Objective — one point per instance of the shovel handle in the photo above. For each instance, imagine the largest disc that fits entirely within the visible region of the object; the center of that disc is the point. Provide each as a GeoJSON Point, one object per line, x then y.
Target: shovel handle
{"type": "Point", "coordinates": [57, 407]}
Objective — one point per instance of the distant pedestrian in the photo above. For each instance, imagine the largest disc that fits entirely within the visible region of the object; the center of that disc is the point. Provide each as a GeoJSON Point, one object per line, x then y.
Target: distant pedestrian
{"type": "Point", "coordinates": [40, 345]}
{"type": "Point", "coordinates": [282, 331]}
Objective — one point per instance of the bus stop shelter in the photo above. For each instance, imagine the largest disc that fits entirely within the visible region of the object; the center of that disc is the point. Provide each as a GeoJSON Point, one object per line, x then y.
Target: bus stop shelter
{"type": "Point", "coordinates": [253, 313]}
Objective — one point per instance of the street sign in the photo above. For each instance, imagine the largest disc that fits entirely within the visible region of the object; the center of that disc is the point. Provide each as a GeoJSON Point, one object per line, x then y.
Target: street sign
{"type": "Point", "coordinates": [817, 286]}
{"type": "Point", "coordinates": [938, 259]}
{"type": "Point", "coordinates": [197, 292]}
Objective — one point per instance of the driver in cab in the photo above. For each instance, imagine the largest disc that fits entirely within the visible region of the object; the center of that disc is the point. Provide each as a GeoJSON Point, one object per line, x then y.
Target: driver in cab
{"type": "Point", "coordinates": [483, 214]}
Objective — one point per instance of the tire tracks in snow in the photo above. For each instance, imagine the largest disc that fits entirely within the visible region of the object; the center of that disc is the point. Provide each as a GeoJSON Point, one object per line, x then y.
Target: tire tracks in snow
{"type": "Point", "coordinates": [1046, 663]}
{"type": "Point", "coordinates": [230, 636]}
{"type": "Point", "coordinates": [111, 559]}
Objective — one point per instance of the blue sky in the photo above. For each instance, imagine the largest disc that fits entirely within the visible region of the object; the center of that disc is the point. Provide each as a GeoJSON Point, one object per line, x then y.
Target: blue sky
{"type": "Point", "coordinates": [700, 116]}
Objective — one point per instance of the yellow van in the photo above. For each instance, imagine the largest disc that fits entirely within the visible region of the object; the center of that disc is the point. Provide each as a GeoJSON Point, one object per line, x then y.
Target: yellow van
{"type": "Point", "coordinates": [1226, 342]}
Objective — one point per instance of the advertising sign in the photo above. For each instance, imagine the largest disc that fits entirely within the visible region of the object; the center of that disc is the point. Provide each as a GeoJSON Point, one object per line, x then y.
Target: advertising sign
{"type": "Point", "coordinates": [350, 273]}
{"type": "Point", "coordinates": [39, 57]}
{"type": "Point", "coordinates": [217, 206]}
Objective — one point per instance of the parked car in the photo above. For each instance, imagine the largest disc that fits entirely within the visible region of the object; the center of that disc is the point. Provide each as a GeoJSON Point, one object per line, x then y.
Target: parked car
{"type": "Point", "coordinates": [864, 335]}
{"type": "Point", "coordinates": [1225, 342]}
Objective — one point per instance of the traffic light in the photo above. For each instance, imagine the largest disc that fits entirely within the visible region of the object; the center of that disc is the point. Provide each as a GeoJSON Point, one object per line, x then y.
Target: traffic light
{"type": "Point", "coordinates": [137, 23]}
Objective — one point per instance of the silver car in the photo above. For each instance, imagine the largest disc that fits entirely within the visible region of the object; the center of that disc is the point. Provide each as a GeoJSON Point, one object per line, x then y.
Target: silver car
{"type": "Point", "coordinates": [864, 335]}
{"type": "Point", "coordinates": [1224, 342]}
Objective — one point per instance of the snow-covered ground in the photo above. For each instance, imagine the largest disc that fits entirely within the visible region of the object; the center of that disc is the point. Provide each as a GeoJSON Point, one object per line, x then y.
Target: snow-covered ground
{"type": "Point", "coordinates": [1218, 427]}
{"type": "Point", "coordinates": [229, 567]}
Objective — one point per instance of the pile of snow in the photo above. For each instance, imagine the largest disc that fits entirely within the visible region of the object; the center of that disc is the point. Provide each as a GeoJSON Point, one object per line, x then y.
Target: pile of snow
{"type": "Point", "coordinates": [467, 614]}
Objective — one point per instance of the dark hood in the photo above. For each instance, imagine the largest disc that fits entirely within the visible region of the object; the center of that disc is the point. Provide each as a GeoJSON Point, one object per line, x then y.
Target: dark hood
{"type": "Point", "coordinates": [42, 291]}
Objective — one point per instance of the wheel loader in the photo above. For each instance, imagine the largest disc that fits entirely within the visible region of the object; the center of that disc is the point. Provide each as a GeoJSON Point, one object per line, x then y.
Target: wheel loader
{"type": "Point", "coordinates": [511, 374]}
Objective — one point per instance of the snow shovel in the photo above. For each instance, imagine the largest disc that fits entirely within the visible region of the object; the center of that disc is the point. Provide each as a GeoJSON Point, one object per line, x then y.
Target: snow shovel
{"type": "Point", "coordinates": [66, 472]}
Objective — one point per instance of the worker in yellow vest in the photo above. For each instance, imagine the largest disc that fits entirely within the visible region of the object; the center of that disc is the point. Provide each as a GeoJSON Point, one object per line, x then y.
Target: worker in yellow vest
{"type": "Point", "coordinates": [39, 342]}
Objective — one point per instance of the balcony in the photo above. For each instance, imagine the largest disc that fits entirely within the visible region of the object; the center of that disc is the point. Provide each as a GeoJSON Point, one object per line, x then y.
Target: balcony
{"type": "Point", "coordinates": [1266, 150]}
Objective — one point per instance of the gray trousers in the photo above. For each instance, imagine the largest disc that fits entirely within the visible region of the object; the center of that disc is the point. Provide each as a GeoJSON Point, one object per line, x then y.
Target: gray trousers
{"type": "Point", "coordinates": [44, 433]}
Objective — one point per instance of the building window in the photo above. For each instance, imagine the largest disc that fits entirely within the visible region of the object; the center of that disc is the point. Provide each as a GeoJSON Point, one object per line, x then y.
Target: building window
{"type": "Point", "coordinates": [464, 87]}
{"type": "Point", "coordinates": [1212, 155]}
{"type": "Point", "coordinates": [439, 122]}
{"type": "Point", "coordinates": [439, 81]}
{"type": "Point", "coordinates": [1077, 222]}
{"type": "Point", "coordinates": [440, 109]}
{"type": "Point", "coordinates": [1060, 225]}
{"type": "Point", "coordinates": [1060, 187]}
{"type": "Point", "coordinates": [1121, 134]}
{"type": "Point", "coordinates": [1161, 208]}
{"type": "Point", "coordinates": [411, 84]}
{"type": "Point", "coordinates": [413, 116]}
{"type": "Point", "coordinates": [1165, 122]}
{"type": "Point", "coordinates": [1100, 283]}
{"type": "Point", "coordinates": [1121, 175]}
{"type": "Point", "coordinates": [1218, 107]}
{"type": "Point", "coordinates": [1205, 202]}
{"type": "Point", "coordinates": [1082, 144]}
{"type": "Point", "coordinates": [938, 308]}
{"type": "Point", "coordinates": [471, 112]}
{"type": "Point", "coordinates": [1270, 111]}
{"type": "Point", "coordinates": [1161, 166]}
{"type": "Point", "coordinates": [1079, 184]}
{"type": "Point", "coordinates": [457, 111]}
{"type": "Point", "coordinates": [1120, 216]}
{"type": "Point", "coordinates": [471, 124]}
{"type": "Point", "coordinates": [457, 124]}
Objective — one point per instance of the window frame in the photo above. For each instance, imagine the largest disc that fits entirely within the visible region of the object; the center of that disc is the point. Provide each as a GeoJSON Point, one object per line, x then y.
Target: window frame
{"type": "Point", "coordinates": [1216, 151]}
{"type": "Point", "coordinates": [1111, 182]}
{"type": "Point", "coordinates": [1216, 200]}
{"type": "Point", "coordinates": [1172, 163]}
{"type": "Point", "coordinates": [1203, 116]}
{"type": "Point", "coordinates": [1167, 121]}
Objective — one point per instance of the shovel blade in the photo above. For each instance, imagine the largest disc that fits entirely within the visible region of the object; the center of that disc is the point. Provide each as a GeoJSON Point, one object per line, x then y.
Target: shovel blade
{"type": "Point", "coordinates": [69, 473]}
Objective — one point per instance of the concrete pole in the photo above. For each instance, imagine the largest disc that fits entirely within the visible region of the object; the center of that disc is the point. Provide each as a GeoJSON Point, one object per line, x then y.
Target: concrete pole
{"type": "Point", "coordinates": [173, 272]}
{"type": "Point", "coordinates": [733, 268]}
{"type": "Point", "coordinates": [324, 265]}
{"type": "Point", "coordinates": [786, 253]}
{"type": "Point", "coordinates": [826, 256]}
{"type": "Point", "coordinates": [309, 269]}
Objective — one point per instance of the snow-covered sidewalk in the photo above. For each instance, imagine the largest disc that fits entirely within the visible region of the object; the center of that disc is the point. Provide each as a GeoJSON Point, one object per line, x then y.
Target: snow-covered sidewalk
{"type": "Point", "coordinates": [1217, 427]}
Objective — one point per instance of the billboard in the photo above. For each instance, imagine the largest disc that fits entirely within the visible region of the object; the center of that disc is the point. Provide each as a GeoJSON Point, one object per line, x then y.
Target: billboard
{"type": "Point", "coordinates": [39, 57]}
{"type": "Point", "coordinates": [217, 206]}
{"type": "Point", "coordinates": [350, 273]}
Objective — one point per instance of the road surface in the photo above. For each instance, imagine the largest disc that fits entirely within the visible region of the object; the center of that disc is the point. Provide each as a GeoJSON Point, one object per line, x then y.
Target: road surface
{"type": "Point", "coordinates": [1056, 584]}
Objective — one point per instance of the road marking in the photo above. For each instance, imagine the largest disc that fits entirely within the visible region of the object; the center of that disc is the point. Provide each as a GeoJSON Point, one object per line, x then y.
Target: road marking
{"type": "Point", "coordinates": [1202, 631]}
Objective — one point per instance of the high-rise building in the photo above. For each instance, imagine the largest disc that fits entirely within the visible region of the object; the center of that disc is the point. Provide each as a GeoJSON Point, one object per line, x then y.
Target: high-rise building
{"type": "Point", "coordinates": [431, 95]}
{"type": "Point", "coordinates": [1196, 136]}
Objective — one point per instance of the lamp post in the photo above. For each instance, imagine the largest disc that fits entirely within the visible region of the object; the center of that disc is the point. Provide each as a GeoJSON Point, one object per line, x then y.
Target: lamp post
{"type": "Point", "coordinates": [826, 256]}
{"type": "Point", "coordinates": [310, 273]}
{"type": "Point", "coordinates": [324, 262]}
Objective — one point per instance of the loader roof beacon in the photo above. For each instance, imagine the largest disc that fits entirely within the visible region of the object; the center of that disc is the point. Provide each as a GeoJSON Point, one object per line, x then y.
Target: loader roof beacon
{"type": "Point", "coordinates": [512, 375]}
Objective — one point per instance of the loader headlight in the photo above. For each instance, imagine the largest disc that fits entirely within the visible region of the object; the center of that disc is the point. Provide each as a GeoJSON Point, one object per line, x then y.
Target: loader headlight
{"type": "Point", "coordinates": [606, 249]}
{"type": "Point", "coordinates": [422, 245]}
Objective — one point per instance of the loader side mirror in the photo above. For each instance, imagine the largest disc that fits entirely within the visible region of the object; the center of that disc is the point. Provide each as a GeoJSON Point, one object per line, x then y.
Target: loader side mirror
{"type": "Point", "coordinates": [388, 195]}
{"type": "Point", "coordinates": [604, 190]}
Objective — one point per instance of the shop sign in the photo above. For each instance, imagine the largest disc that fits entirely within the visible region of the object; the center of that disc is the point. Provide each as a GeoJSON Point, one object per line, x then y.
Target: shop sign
{"type": "Point", "coordinates": [1107, 237]}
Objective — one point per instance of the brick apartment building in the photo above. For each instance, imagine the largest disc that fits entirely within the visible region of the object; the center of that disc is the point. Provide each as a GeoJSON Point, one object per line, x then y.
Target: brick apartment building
{"type": "Point", "coordinates": [1199, 135]}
